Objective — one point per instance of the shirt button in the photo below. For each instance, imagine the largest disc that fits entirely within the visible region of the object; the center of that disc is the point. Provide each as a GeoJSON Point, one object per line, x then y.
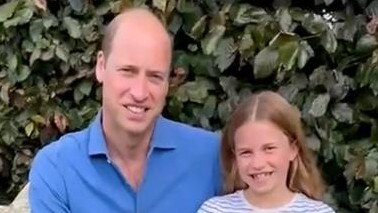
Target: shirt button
{"type": "Point", "coordinates": [109, 161]}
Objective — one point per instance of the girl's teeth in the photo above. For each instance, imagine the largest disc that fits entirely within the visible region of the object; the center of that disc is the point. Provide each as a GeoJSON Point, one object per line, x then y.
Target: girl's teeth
{"type": "Point", "coordinates": [258, 176]}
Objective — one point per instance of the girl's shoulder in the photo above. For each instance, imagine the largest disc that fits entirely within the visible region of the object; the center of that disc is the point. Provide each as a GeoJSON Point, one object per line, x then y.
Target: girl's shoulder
{"type": "Point", "coordinates": [303, 203]}
{"type": "Point", "coordinates": [225, 203]}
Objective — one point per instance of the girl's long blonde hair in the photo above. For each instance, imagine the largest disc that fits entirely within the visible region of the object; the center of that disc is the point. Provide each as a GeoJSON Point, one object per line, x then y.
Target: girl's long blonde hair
{"type": "Point", "coordinates": [303, 175]}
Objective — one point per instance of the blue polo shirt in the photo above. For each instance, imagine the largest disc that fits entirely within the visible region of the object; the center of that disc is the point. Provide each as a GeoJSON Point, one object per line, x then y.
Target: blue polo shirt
{"type": "Point", "coordinates": [75, 173]}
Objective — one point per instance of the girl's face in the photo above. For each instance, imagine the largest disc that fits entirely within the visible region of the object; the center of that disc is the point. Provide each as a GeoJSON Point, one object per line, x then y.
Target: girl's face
{"type": "Point", "coordinates": [263, 154]}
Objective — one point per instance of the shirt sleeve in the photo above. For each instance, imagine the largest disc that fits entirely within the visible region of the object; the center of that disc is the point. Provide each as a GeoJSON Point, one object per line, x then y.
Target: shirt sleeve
{"type": "Point", "coordinates": [218, 179]}
{"type": "Point", "coordinates": [210, 206]}
{"type": "Point", "coordinates": [47, 189]}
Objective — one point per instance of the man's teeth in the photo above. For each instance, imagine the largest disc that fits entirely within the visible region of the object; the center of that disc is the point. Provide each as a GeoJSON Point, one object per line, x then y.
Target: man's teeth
{"type": "Point", "coordinates": [261, 175]}
{"type": "Point", "coordinates": [136, 109]}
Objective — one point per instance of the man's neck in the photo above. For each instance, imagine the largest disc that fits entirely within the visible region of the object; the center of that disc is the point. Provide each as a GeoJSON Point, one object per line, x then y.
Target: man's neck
{"type": "Point", "coordinates": [128, 152]}
{"type": "Point", "coordinates": [128, 147]}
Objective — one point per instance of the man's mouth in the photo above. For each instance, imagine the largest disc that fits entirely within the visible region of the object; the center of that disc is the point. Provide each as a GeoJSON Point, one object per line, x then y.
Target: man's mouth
{"type": "Point", "coordinates": [136, 109]}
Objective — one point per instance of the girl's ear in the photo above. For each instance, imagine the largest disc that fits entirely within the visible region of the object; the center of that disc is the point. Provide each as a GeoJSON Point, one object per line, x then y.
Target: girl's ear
{"type": "Point", "coordinates": [293, 150]}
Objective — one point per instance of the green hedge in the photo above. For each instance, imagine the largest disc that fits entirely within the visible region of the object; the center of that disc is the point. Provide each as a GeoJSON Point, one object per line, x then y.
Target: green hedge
{"type": "Point", "coordinates": [321, 55]}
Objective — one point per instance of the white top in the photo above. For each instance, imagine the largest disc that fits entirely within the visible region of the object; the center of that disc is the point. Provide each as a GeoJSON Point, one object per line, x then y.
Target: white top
{"type": "Point", "coordinates": [237, 203]}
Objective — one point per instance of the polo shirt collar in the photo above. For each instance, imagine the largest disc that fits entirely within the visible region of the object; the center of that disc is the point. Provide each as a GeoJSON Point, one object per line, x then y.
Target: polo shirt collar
{"type": "Point", "coordinates": [161, 136]}
{"type": "Point", "coordinates": [96, 143]}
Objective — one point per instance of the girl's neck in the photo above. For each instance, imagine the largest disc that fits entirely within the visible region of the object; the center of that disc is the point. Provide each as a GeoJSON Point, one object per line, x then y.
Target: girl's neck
{"type": "Point", "coordinates": [269, 200]}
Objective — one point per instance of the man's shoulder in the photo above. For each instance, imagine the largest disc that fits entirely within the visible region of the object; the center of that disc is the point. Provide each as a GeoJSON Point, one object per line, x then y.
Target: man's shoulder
{"type": "Point", "coordinates": [225, 203]}
{"type": "Point", "coordinates": [187, 131]}
{"type": "Point", "coordinates": [304, 202]}
{"type": "Point", "coordinates": [68, 143]}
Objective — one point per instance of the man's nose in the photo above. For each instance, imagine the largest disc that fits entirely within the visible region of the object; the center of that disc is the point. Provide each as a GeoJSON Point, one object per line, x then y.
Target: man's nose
{"type": "Point", "coordinates": [139, 89]}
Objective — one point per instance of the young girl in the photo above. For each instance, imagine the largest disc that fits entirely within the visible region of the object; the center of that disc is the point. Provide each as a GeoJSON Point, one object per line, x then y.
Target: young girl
{"type": "Point", "coordinates": [266, 165]}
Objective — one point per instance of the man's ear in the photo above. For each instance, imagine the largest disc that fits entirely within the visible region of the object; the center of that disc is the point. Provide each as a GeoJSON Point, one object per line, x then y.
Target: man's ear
{"type": "Point", "coordinates": [100, 66]}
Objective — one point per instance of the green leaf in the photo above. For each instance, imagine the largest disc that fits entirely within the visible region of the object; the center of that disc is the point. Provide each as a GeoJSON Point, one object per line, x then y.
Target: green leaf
{"type": "Point", "coordinates": [4, 93]}
{"type": "Point", "coordinates": [90, 32]}
{"type": "Point", "coordinates": [285, 20]}
{"type": "Point", "coordinates": [329, 42]}
{"type": "Point", "coordinates": [196, 91]}
{"type": "Point", "coordinates": [247, 45]}
{"type": "Point", "coordinates": [375, 189]}
{"type": "Point", "coordinates": [49, 21]}
{"type": "Point", "coordinates": [85, 87]}
{"type": "Point", "coordinates": [198, 28]}
{"type": "Point", "coordinates": [372, 8]}
{"type": "Point", "coordinates": [346, 30]}
{"type": "Point", "coordinates": [77, 5]}
{"type": "Point", "coordinates": [265, 63]}
{"type": "Point", "coordinates": [366, 43]}
{"type": "Point", "coordinates": [103, 9]}
{"type": "Point", "coordinates": [297, 14]}
{"type": "Point", "coordinates": [328, 2]}
{"type": "Point", "coordinates": [27, 46]}
{"type": "Point", "coordinates": [203, 65]}
{"type": "Point", "coordinates": [320, 104]}
{"type": "Point", "coordinates": [48, 54]}
{"type": "Point", "coordinates": [62, 52]}
{"type": "Point", "coordinates": [38, 119]}
{"type": "Point", "coordinates": [78, 95]}
{"type": "Point", "coordinates": [304, 54]}
{"type": "Point", "coordinates": [289, 92]}
{"type": "Point", "coordinates": [229, 85]}
{"type": "Point", "coordinates": [7, 10]}
{"type": "Point", "coordinates": [246, 13]}
{"type": "Point", "coordinates": [12, 63]}
{"type": "Point", "coordinates": [225, 53]}
{"type": "Point", "coordinates": [288, 52]}
{"type": "Point", "coordinates": [371, 165]}
{"type": "Point", "coordinates": [277, 4]}
{"type": "Point", "coordinates": [366, 101]}
{"type": "Point", "coordinates": [175, 24]}
{"type": "Point", "coordinates": [314, 23]}
{"type": "Point", "coordinates": [23, 73]}
{"type": "Point", "coordinates": [322, 76]}
{"type": "Point", "coordinates": [34, 56]}
{"type": "Point", "coordinates": [203, 86]}
{"type": "Point", "coordinates": [209, 107]}
{"type": "Point", "coordinates": [224, 110]}
{"type": "Point", "coordinates": [210, 42]}
{"type": "Point", "coordinates": [160, 4]}
{"type": "Point", "coordinates": [29, 129]}
{"type": "Point", "coordinates": [73, 27]}
{"type": "Point", "coordinates": [21, 17]}
{"type": "Point", "coordinates": [313, 142]}
{"type": "Point", "coordinates": [342, 113]}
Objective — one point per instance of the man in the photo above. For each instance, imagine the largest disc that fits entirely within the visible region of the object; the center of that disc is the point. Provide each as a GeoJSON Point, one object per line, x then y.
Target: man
{"type": "Point", "coordinates": [129, 159]}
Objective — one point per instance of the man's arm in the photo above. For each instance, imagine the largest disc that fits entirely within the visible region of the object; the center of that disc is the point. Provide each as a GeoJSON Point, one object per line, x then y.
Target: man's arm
{"type": "Point", "coordinates": [47, 191]}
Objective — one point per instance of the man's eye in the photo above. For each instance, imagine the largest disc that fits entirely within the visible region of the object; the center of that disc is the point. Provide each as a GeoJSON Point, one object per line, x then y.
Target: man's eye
{"type": "Point", "coordinates": [158, 77]}
{"type": "Point", "coordinates": [127, 70]}
{"type": "Point", "coordinates": [269, 148]}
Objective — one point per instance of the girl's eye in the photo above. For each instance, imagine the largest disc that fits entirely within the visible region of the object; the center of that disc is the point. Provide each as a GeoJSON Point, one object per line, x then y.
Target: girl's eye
{"type": "Point", "coordinates": [245, 153]}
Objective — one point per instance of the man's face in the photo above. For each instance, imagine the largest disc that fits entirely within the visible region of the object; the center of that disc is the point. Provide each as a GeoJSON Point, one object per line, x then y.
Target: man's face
{"type": "Point", "coordinates": [135, 80]}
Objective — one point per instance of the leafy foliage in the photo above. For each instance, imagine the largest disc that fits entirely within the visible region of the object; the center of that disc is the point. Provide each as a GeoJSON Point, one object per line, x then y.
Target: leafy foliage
{"type": "Point", "coordinates": [321, 55]}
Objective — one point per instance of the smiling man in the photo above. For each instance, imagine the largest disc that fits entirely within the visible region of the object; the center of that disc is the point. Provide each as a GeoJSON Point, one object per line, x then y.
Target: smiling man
{"type": "Point", "coordinates": [130, 158]}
